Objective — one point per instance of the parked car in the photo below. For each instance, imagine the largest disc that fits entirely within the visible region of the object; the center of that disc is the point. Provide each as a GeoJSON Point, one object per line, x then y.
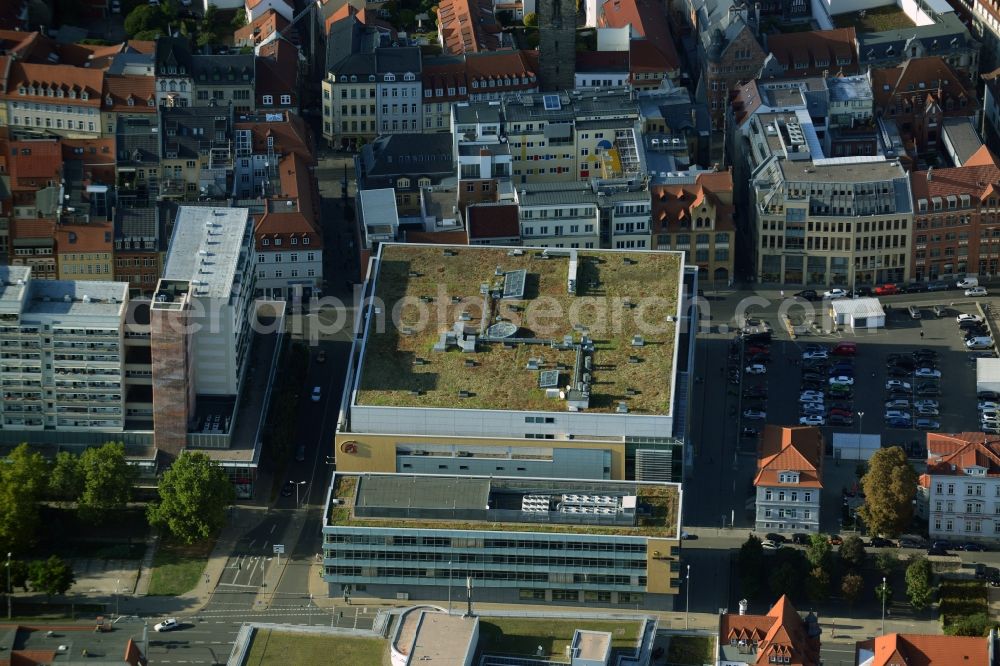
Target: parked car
{"type": "Point", "coordinates": [927, 424]}
{"type": "Point", "coordinates": [839, 411]}
{"type": "Point", "coordinates": [898, 403]}
{"type": "Point", "coordinates": [811, 396]}
{"type": "Point", "coordinates": [834, 293]}
{"type": "Point", "coordinates": [967, 282]}
{"type": "Point", "coordinates": [845, 349]}
{"type": "Point", "coordinates": [316, 393]}
{"type": "Point", "coordinates": [896, 414]}
{"type": "Point", "coordinates": [980, 342]}
{"type": "Point", "coordinates": [968, 317]}
{"type": "Point", "coordinates": [935, 550]}
{"type": "Point", "coordinates": [754, 415]}
{"type": "Point", "coordinates": [862, 291]}
{"type": "Point", "coordinates": [926, 411]}
{"type": "Point", "coordinates": [926, 402]}
{"type": "Point", "coordinates": [927, 373]}
{"type": "Point", "coordinates": [839, 420]}
{"type": "Point", "coordinates": [756, 369]}
{"type": "Point", "coordinates": [812, 420]}
{"type": "Point", "coordinates": [916, 287]}
{"type": "Point", "coordinates": [835, 540]}
{"type": "Point", "coordinates": [909, 542]}
{"type": "Point", "coordinates": [924, 352]}
{"type": "Point", "coordinates": [898, 372]}
{"type": "Point", "coordinates": [886, 290]}
{"type": "Point", "coordinates": [899, 423]}
{"type": "Point", "coordinates": [988, 395]}
{"type": "Point", "coordinates": [914, 312]}
{"type": "Point", "coordinates": [750, 432]}
{"type": "Point", "coordinates": [815, 355]}
{"type": "Point", "coordinates": [895, 383]}
{"type": "Point", "coordinates": [938, 285]}
{"type": "Point", "coordinates": [926, 390]}
{"type": "Point", "coordinates": [808, 294]}
{"type": "Point", "coordinates": [986, 405]}
{"type": "Point", "coordinates": [767, 544]}
{"type": "Point", "coordinates": [974, 548]}
{"type": "Point", "coordinates": [775, 537]}
{"type": "Point", "coordinates": [879, 542]}
{"type": "Point", "coordinates": [977, 291]}
{"type": "Point", "coordinates": [842, 379]}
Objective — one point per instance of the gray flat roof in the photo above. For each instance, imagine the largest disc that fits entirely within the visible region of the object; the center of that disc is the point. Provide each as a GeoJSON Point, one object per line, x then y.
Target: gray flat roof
{"type": "Point", "coordinates": [963, 137]}
{"type": "Point", "coordinates": [206, 246]}
{"type": "Point", "coordinates": [423, 492]}
{"type": "Point", "coordinates": [76, 298]}
{"type": "Point", "coordinates": [11, 292]}
{"type": "Point", "coordinates": [443, 640]}
{"type": "Point", "coordinates": [844, 88]}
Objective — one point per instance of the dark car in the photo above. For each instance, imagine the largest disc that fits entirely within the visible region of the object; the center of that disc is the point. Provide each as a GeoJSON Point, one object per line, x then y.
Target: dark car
{"type": "Point", "coordinates": [988, 395]}
{"type": "Point", "coordinates": [974, 548]}
{"type": "Point", "coordinates": [916, 287]}
{"type": "Point", "coordinates": [924, 352]}
{"type": "Point", "coordinates": [839, 420]}
{"type": "Point", "coordinates": [808, 294]}
{"type": "Point", "coordinates": [896, 371]}
{"type": "Point", "coordinates": [970, 323]}
{"type": "Point", "coordinates": [801, 539]}
{"type": "Point", "coordinates": [288, 489]}
{"type": "Point", "coordinates": [846, 407]}
{"type": "Point", "coordinates": [862, 291]}
{"type": "Point", "coordinates": [835, 540]}
{"type": "Point", "coordinates": [759, 358]}
{"type": "Point", "coordinates": [812, 377]}
{"type": "Point", "coordinates": [938, 286]}
{"type": "Point", "coordinates": [775, 537]}
{"type": "Point", "coordinates": [750, 432]}
{"type": "Point", "coordinates": [879, 542]}
{"type": "Point", "coordinates": [903, 362]}
{"type": "Point", "coordinates": [936, 550]}
{"type": "Point", "coordinates": [928, 390]}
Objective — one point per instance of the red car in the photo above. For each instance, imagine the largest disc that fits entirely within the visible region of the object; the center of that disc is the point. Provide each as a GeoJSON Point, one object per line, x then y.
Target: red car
{"type": "Point", "coordinates": [842, 412]}
{"type": "Point", "coordinates": [758, 350]}
{"type": "Point", "coordinates": [886, 290]}
{"type": "Point", "coordinates": [845, 349]}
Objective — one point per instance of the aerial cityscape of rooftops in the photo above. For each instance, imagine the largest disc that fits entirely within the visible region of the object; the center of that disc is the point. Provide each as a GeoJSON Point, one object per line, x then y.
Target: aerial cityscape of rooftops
{"type": "Point", "coordinates": [500, 332]}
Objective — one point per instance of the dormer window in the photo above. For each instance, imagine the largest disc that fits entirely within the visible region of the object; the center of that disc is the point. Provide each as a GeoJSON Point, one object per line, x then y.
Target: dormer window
{"type": "Point", "coordinates": [22, 90]}
{"type": "Point", "coordinates": [109, 101]}
{"type": "Point", "coordinates": [408, 77]}
{"type": "Point", "coordinates": [130, 101]}
{"type": "Point", "coordinates": [354, 78]}
{"type": "Point", "coordinates": [151, 101]}
{"type": "Point", "coordinates": [343, 79]}
{"type": "Point", "coordinates": [84, 95]}
{"type": "Point", "coordinates": [389, 77]}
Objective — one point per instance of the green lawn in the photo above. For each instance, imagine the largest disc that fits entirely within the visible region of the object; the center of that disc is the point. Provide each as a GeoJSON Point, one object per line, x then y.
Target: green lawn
{"type": "Point", "coordinates": [522, 636]}
{"type": "Point", "coordinates": [177, 568]}
{"type": "Point", "coordinates": [280, 648]}
{"type": "Point", "coordinates": [877, 19]}
{"type": "Point", "coordinates": [694, 650]}
{"type": "Point", "coordinates": [962, 598]}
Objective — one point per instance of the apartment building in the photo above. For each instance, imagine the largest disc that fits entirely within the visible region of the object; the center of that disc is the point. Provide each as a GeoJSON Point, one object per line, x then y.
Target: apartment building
{"type": "Point", "coordinates": [814, 52]}
{"type": "Point", "coordinates": [137, 163]}
{"type": "Point", "coordinates": [396, 418]}
{"type": "Point", "coordinates": [399, 102]}
{"type": "Point", "coordinates": [789, 479]}
{"type": "Point", "coordinates": [224, 81]}
{"type": "Point", "coordinates": [407, 163]}
{"type": "Point", "coordinates": [817, 220]}
{"type": "Point", "coordinates": [613, 214]}
{"type": "Point", "coordinates": [139, 247]}
{"type": "Point", "coordinates": [277, 72]}
{"type": "Point", "coordinates": [514, 539]}
{"type": "Point", "coordinates": [47, 99]}
{"type": "Point", "coordinates": [652, 57]}
{"type": "Point", "coordinates": [173, 70]}
{"type": "Point", "coordinates": [61, 355]}
{"type": "Point", "coordinates": [960, 492]}
{"type": "Point", "coordinates": [692, 212]}
{"type": "Point", "coordinates": [780, 636]}
{"type": "Point", "coordinates": [955, 225]}
{"type": "Point", "coordinates": [36, 168]}
{"type": "Point", "coordinates": [126, 97]}
{"type": "Point", "coordinates": [946, 37]}
{"type": "Point", "coordinates": [196, 152]}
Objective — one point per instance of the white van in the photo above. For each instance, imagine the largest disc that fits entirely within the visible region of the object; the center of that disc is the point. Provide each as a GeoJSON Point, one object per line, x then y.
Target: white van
{"type": "Point", "coordinates": [967, 282]}
{"type": "Point", "coordinates": [981, 342]}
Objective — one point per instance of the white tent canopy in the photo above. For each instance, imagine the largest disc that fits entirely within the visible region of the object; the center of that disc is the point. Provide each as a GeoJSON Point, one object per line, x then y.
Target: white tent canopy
{"type": "Point", "coordinates": [858, 312]}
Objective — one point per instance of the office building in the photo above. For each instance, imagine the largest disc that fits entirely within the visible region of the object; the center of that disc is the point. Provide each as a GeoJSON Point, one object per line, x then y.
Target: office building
{"type": "Point", "coordinates": [565, 541]}
{"type": "Point", "coordinates": [525, 397]}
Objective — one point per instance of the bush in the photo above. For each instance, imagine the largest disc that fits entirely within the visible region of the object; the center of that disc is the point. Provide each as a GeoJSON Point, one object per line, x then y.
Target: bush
{"type": "Point", "coordinates": [530, 20]}
{"type": "Point", "coordinates": [971, 625]}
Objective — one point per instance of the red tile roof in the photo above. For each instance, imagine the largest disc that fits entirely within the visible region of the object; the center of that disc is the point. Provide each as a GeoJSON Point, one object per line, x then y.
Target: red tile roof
{"type": "Point", "coordinates": [781, 634]}
{"type": "Point", "coordinates": [647, 20]}
{"type": "Point", "coordinates": [601, 61]}
{"type": "Point", "coordinates": [293, 223]}
{"type": "Point", "coordinates": [290, 135]}
{"type": "Point", "coordinates": [25, 228]}
{"type": "Point", "coordinates": [817, 50]}
{"type": "Point", "coordinates": [277, 72]}
{"type": "Point", "coordinates": [78, 81]}
{"type": "Point", "coordinates": [36, 162]}
{"type": "Point", "coordinates": [675, 203]}
{"type": "Point", "coordinates": [88, 237]}
{"type": "Point", "coordinates": [467, 26]}
{"type": "Point", "coordinates": [119, 89]}
{"type": "Point", "coordinates": [979, 177]}
{"type": "Point", "coordinates": [297, 183]}
{"type": "Point", "coordinates": [251, 4]}
{"type": "Point", "coordinates": [790, 449]}
{"type": "Point", "coordinates": [926, 650]}
{"type": "Point", "coordinates": [499, 65]}
{"type": "Point", "coordinates": [259, 30]}
{"type": "Point", "coordinates": [489, 222]}
{"type": "Point", "coordinates": [953, 454]}
{"type": "Point", "coordinates": [931, 79]}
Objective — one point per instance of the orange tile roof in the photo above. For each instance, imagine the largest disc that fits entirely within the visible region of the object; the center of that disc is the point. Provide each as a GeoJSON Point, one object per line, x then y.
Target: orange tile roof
{"type": "Point", "coordinates": [36, 160]}
{"type": "Point", "coordinates": [258, 30]}
{"type": "Point", "coordinates": [977, 178]}
{"type": "Point", "coordinates": [954, 453]}
{"type": "Point", "coordinates": [297, 183]}
{"type": "Point", "coordinates": [34, 228]}
{"type": "Point", "coordinates": [931, 77]}
{"type": "Point", "coordinates": [26, 45]}
{"type": "Point", "coordinates": [120, 88]}
{"type": "Point", "coordinates": [780, 634]}
{"type": "Point", "coordinates": [674, 203]}
{"type": "Point", "coordinates": [927, 650]}
{"type": "Point", "coordinates": [91, 237]}
{"type": "Point", "coordinates": [501, 64]}
{"type": "Point", "coordinates": [647, 20]}
{"type": "Point", "coordinates": [467, 26]}
{"type": "Point", "coordinates": [65, 78]}
{"type": "Point", "coordinates": [251, 4]}
{"type": "Point", "coordinates": [290, 135]}
{"type": "Point", "coordinates": [790, 448]}
{"type": "Point", "coordinates": [293, 223]}
{"type": "Point", "coordinates": [813, 47]}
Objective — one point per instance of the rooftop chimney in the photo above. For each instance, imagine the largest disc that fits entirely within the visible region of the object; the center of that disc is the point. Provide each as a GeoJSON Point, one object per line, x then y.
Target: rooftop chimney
{"type": "Point", "coordinates": [930, 170]}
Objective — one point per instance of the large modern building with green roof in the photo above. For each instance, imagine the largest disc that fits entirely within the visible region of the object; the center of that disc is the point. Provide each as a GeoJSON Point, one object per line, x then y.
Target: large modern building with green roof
{"type": "Point", "coordinates": [514, 361]}
{"type": "Point", "coordinates": [513, 539]}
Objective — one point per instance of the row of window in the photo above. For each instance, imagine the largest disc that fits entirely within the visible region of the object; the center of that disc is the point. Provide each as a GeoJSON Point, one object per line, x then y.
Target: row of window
{"type": "Point", "coordinates": [510, 559]}
{"type": "Point", "coordinates": [276, 257]}
{"type": "Point", "coordinates": [971, 526]}
{"type": "Point", "coordinates": [790, 496]}
{"type": "Point", "coordinates": [806, 514]}
{"type": "Point", "coordinates": [976, 489]}
{"type": "Point", "coordinates": [970, 507]}
{"type": "Point", "coordinates": [277, 241]}
{"type": "Point", "coordinates": [47, 122]}
{"type": "Point", "coordinates": [278, 274]}
{"type": "Point", "coordinates": [557, 230]}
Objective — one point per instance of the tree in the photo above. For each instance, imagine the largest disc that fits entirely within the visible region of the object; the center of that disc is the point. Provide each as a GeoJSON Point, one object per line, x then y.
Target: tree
{"type": "Point", "coordinates": [239, 19]}
{"type": "Point", "coordinates": [107, 481]}
{"type": "Point", "coordinates": [751, 565]}
{"type": "Point", "coordinates": [407, 18]}
{"type": "Point", "coordinates": [23, 482]}
{"type": "Point", "coordinates": [919, 583]}
{"type": "Point", "coordinates": [19, 574]}
{"type": "Point", "coordinates": [889, 486]}
{"type": "Point", "coordinates": [819, 551]}
{"type": "Point", "coordinates": [851, 586]}
{"type": "Point", "coordinates": [142, 19]}
{"type": "Point", "coordinates": [51, 576]}
{"type": "Point", "coordinates": [970, 625]}
{"type": "Point", "coordinates": [194, 494]}
{"type": "Point", "coordinates": [65, 480]}
{"type": "Point", "coordinates": [852, 552]}
{"type": "Point", "coordinates": [818, 585]}
{"type": "Point", "coordinates": [789, 569]}
{"type": "Point", "coordinates": [530, 20]}
{"type": "Point", "coordinates": [886, 562]}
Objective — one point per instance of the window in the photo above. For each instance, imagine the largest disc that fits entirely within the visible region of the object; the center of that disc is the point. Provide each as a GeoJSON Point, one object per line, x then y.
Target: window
{"type": "Point", "coordinates": [268, 100]}
{"type": "Point", "coordinates": [286, 99]}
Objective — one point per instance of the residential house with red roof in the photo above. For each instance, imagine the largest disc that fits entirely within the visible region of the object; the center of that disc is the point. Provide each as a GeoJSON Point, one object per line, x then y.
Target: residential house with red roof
{"type": "Point", "coordinates": [652, 55]}
{"type": "Point", "coordinates": [789, 479]}
{"type": "Point", "coordinates": [276, 82]}
{"type": "Point", "coordinates": [960, 491]}
{"type": "Point", "coordinates": [782, 636]}
{"type": "Point", "coordinates": [126, 95]}
{"type": "Point", "coordinates": [694, 214]}
{"type": "Point", "coordinates": [815, 52]}
{"type": "Point", "coordinates": [53, 99]}
{"type": "Point", "coordinates": [467, 26]}
{"type": "Point", "coordinates": [6, 200]}
{"type": "Point", "coordinates": [924, 650]}
{"type": "Point", "coordinates": [35, 168]}
{"type": "Point", "coordinates": [268, 26]}
{"type": "Point", "coordinates": [918, 95]}
{"type": "Point", "coordinates": [257, 8]}
{"type": "Point", "coordinates": [955, 224]}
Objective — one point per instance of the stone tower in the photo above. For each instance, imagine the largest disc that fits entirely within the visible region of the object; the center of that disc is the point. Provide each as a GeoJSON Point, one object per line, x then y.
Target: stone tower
{"type": "Point", "coordinates": [556, 44]}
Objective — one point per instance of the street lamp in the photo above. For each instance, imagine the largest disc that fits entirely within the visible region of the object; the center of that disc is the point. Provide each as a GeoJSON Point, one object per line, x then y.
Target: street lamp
{"type": "Point", "coordinates": [861, 419]}
{"type": "Point", "coordinates": [9, 600]}
{"type": "Point", "coordinates": [118, 582]}
{"type": "Point", "coordinates": [687, 592]}
{"type": "Point", "coordinates": [883, 605]}
{"type": "Point", "coordinates": [449, 588]}
{"type": "Point", "coordinates": [297, 484]}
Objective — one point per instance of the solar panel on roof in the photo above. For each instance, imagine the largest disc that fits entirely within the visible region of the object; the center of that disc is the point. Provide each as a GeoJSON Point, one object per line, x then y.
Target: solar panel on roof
{"type": "Point", "coordinates": [513, 283]}
{"type": "Point", "coordinates": [551, 102]}
{"type": "Point", "coordinates": [548, 379]}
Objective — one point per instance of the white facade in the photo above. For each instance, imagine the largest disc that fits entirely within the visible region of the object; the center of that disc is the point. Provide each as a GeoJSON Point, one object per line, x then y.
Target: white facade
{"type": "Point", "coordinates": [55, 116]}
{"type": "Point", "coordinates": [630, 223]}
{"type": "Point", "coordinates": [61, 353]}
{"type": "Point", "coordinates": [174, 90]}
{"type": "Point", "coordinates": [964, 506]}
{"type": "Point", "coordinates": [597, 80]}
{"type": "Point", "coordinates": [279, 271]}
{"type": "Point", "coordinates": [399, 103]}
{"type": "Point", "coordinates": [560, 225]}
{"type": "Point", "coordinates": [787, 508]}
{"type": "Point", "coordinates": [212, 249]}
{"type": "Point", "coordinates": [256, 10]}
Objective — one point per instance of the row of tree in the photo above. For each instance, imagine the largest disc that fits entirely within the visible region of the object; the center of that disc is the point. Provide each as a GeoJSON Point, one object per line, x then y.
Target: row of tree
{"type": "Point", "coordinates": [151, 21]}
